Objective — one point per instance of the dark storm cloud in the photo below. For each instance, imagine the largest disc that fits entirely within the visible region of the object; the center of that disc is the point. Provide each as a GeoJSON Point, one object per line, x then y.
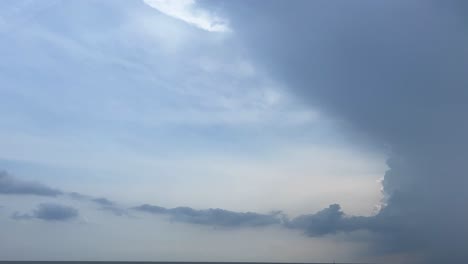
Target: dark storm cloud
{"type": "Point", "coordinates": [50, 212]}
{"type": "Point", "coordinates": [213, 217]}
{"type": "Point", "coordinates": [395, 71]}
{"type": "Point", "coordinates": [11, 185]}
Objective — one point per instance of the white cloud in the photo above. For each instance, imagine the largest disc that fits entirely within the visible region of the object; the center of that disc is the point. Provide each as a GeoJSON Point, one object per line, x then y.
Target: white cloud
{"type": "Point", "coordinates": [187, 11]}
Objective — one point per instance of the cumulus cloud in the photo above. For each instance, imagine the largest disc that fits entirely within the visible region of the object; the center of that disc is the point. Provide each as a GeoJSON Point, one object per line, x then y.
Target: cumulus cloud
{"type": "Point", "coordinates": [396, 72]}
{"type": "Point", "coordinates": [50, 212]}
{"type": "Point", "coordinates": [327, 221]}
{"type": "Point", "coordinates": [213, 217]}
{"type": "Point", "coordinates": [12, 185]}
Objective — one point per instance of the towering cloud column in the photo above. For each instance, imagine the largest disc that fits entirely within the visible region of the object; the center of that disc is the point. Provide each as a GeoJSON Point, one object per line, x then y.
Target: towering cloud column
{"type": "Point", "coordinates": [397, 71]}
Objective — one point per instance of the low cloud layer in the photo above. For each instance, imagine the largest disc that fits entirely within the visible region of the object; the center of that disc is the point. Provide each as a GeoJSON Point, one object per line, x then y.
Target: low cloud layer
{"type": "Point", "coordinates": [388, 224]}
{"type": "Point", "coordinates": [12, 185]}
{"type": "Point", "coordinates": [330, 220]}
{"type": "Point", "coordinates": [213, 217]}
{"type": "Point", "coordinates": [50, 212]}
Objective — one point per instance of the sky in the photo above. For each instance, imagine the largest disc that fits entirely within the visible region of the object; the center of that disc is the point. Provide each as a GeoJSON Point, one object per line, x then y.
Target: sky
{"type": "Point", "coordinates": [305, 131]}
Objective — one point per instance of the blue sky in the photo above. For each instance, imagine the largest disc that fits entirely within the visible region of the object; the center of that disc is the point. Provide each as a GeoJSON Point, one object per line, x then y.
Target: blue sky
{"type": "Point", "coordinates": [195, 104]}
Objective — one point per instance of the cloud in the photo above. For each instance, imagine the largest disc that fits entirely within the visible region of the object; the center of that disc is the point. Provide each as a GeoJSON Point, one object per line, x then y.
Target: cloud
{"type": "Point", "coordinates": [394, 71]}
{"type": "Point", "coordinates": [154, 209]}
{"type": "Point", "coordinates": [213, 217]}
{"type": "Point", "coordinates": [11, 185]}
{"type": "Point", "coordinates": [332, 220]}
{"type": "Point", "coordinates": [327, 221]}
{"type": "Point", "coordinates": [49, 212]}
{"type": "Point", "coordinates": [79, 196]}
{"type": "Point", "coordinates": [103, 201]}
{"type": "Point", "coordinates": [109, 206]}
{"type": "Point", "coordinates": [187, 11]}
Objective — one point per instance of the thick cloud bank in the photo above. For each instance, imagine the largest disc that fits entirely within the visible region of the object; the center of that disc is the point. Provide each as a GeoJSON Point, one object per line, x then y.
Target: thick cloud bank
{"type": "Point", "coordinates": [396, 71]}
{"type": "Point", "coordinates": [50, 212]}
{"type": "Point", "coordinates": [12, 185]}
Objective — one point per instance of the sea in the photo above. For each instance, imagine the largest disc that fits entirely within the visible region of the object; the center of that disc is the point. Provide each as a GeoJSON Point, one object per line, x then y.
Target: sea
{"type": "Point", "coordinates": [158, 262]}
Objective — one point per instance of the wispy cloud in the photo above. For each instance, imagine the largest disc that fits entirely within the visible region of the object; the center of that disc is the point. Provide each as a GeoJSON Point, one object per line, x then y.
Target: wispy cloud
{"type": "Point", "coordinates": [189, 12]}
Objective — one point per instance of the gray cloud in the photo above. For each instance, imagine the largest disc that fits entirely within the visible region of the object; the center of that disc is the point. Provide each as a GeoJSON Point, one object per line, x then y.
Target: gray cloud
{"type": "Point", "coordinates": [213, 217]}
{"type": "Point", "coordinates": [12, 185]}
{"type": "Point", "coordinates": [103, 201]}
{"type": "Point", "coordinates": [330, 220]}
{"type": "Point", "coordinates": [154, 209]}
{"type": "Point", "coordinates": [110, 206]}
{"type": "Point", "coordinates": [79, 196]}
{"type": "Point", "coordinates": [50, 212]}
{"type": "Point", "coordinates": [396, 72]}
